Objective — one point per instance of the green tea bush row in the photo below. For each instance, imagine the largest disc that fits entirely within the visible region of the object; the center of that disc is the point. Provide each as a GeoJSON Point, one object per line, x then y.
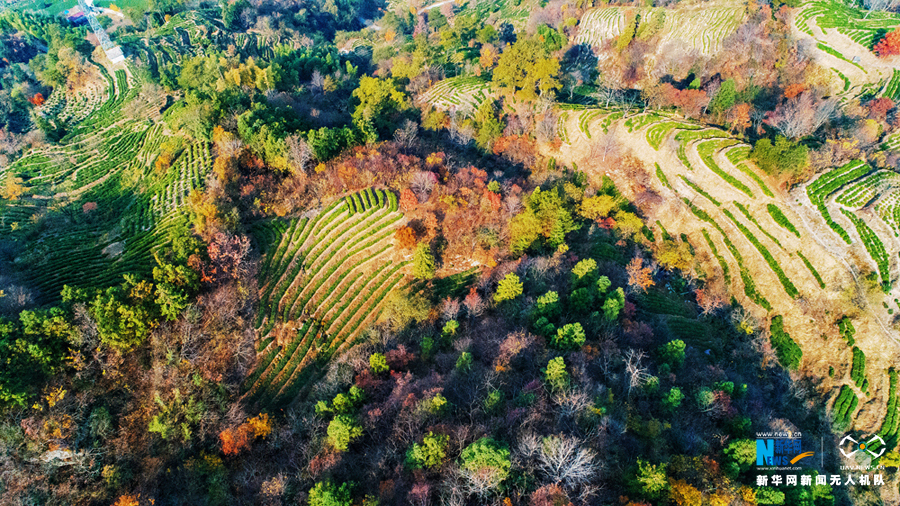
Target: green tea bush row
{"type": "Point", "coordinates": [787, 350]}
{"type": "Point", "coordinates": [746, 213]}
{"type": "Point", "coordinates": [843, 408]}
{"type": "Point", "coordinates": [750, 288]}
{"type": "Point", "coordinates": [812, 270]}
{"type": "Point", "coordinates": [700, 191]}
{"type": "Point", "coordinates": [780, 218]}
{"type": "Point", "coordinates": [722, 263]}
{"type": "Point", "coordinates": [875, 248]}
{"type": "Point", "coordinates": [706, 150]}
{"type": "Point", "coordinates": [847, 331]}
{"type": "Point", "coordinates": [858, 369]}
{"type": "Point", "coordinates": [773, 264]}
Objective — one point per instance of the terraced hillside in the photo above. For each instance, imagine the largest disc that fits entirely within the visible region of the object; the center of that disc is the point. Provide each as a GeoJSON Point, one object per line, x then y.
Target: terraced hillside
{"type": "Point", "coordinates": [843, 36]}
{"type": "Point", "coordinates": [781, 255]}
{"type": "Point", "coordinates": [323, 279]}
{"type": "Point", "coordinates": [94, 205]}
{"type": "Point", "coordinates": [458, 94]}
{"type": "Point", "coordinates": [700, 27]}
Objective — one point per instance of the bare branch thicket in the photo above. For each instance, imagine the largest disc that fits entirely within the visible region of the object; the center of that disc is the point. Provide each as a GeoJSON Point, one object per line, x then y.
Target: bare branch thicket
{"type": "Point", "coordinates": [422, 183]}
{"type": "Point", "coordinates": [802, 115]}
{"type": "Point", "coordinates": [635, 371]}
{"type": "Point", "coordinates": [407, 134]}
{"type": "Point", "coordinates": [562, 460]}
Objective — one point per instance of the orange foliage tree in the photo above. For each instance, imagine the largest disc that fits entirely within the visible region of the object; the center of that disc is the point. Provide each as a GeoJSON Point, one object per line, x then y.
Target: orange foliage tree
{"type": "Point", "coordinates": [684, 494]}
{"type": "Point", "coordinates": [639, 277]}
{"type": "Point", "coordinates": [128, 500]}
{"type": "Point", "coordinates": [889, 45]}
{"type": "Point", "coordinates": [236, 439]}
{"type": "Point", "coordinates": [406, 238]}
{"type": "Point", "coordinates": [739, 117]}
{"type": "Point", "coordinates": [408, 200]}
{"type": "Point", "coordinates": [792, 90]}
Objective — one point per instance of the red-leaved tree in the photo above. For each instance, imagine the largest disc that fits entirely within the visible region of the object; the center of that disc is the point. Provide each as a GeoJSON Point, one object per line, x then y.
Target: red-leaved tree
{"type": "Point", "coordinates": [889, 45]}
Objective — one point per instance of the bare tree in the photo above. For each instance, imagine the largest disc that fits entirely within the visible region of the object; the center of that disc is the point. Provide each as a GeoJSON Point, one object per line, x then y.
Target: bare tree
{"type": "Point", "coordinates": [299, 154]}
{"type": "Point", "coordinates": [407, 134]}
{"type": "Point", "coordinates": [802, 115]}
{"type": "Point", "coordinates": [880, 5]}
{"type": "Point", "coordinates": [317, 83]}
{"type": "Point", "coordinates": [567, 461]}
{"type": "Point", "coordinates": [635, 370]}
{"type": "Point", "coordinates": [450, 308]}
{"type": "Point", "coordinates": [422, 183]}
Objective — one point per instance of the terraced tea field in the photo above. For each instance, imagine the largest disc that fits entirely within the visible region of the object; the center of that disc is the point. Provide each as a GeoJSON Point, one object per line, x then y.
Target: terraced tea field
{"type": "Point", "coordinates": [93, 205]}
{"type": "Point", "coordinates": [775, 251]}
{"type": "Point", "coordinates": [323, 280]}
{"type": "Point", "coordinates": [844, 35]}
{"type": "Point", "coordinates": [702, 27]}
{"type": "Point", "coordinates": [458, 94]}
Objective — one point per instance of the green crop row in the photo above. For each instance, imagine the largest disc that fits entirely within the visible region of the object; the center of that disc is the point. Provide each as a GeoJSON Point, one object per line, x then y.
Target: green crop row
{"type": "Point", "coordinates": [750, 217]}
{"type": "Point", "coordinates": [314, 266]}
{"type": "Point", "coordinates": [773, 264]}
{"type": "Point", "coordinates": [892, 88]}
{"type": "Point", "coordinates": [780, 218]}
{"type": "Point", "coordinates": [864, 190]}
{"type": "Point", "coordinates": [843, 78]}
{"type": "Point", "coordinates": [843, 408]}
{"type": "Point", "coordinates": [812, 270]}
{"type": "Point", "coordinates": [660, 131]}
{"type": "Point", "coordinates": [297, 359]}
{"type": "Point", "coordinates": [607, 121]}
{"type": "Point", "coordinates": [387, 287]}
{"type": "Point", "coordinates": [745, 168]}
{"type": "Point", "coordinates": [275, 362]}
{"type": "Point", "coordinates": [834, 52]}
{"type": "Point", "coordinates": [722, 263]}
{"type": "Point", "coordinates": [787, 350]}
{"type": "Point", "coordinates": [750, 288]}
{"type": "Point", "coordinates": [662, 177]}
{"type": "Point", "coordinates": [327, 275]}
{"type": "Point", "coordinates": [682, 156]}
{"type": "Point", "coordinates": [875, 248]}
{"type": "Point", "coordinates": [828, 183]}
{"type": "Point", "coordinates": [584, 121]}
{"type": "Point", "coordinates": [858, 369]}
{"type": "Point", "coordinates": [282, 282]}
{"type": "Point", "coordinates": [706, 150]}
{"type": "Point", "coordinates": [700, 191]}
{"type": "Point", "coordinates": [688, 136]}
{"type": "Point", "coordinates": [639, 122]}
{"type": "Point", "coordinates": [847, 331]}
{"type": "Point", "coordinates": [665, 233]}
{"type": "Point", "coordinates": [888, 430]}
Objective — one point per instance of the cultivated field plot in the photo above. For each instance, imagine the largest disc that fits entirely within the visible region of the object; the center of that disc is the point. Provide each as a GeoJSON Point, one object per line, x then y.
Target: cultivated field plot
{"type": "Point", "coordinates": [98, 188]}
{"type": "Point", "coordinates": [774, 248]}
{"type": "Point", "coordinates": [323, 279]}
{"type": "Point", "coordinates": [862, 26]}
{"type": "Point", "coordinates": [702, 29]}
{"type": "Point", "coordinates": [458, 94]}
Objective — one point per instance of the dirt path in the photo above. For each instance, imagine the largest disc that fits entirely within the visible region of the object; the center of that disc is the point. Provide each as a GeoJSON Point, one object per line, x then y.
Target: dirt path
{"type": "Point", "coordinates": [807, 318]}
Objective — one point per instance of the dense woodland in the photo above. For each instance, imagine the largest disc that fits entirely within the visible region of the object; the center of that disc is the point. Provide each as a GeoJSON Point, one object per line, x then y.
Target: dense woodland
{"type": "Point", "coordinates": [549, 344]}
